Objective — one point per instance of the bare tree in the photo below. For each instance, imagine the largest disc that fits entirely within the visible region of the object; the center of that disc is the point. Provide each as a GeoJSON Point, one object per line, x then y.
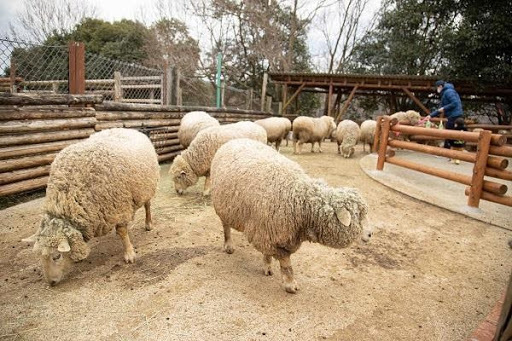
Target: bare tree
{"type": "Point", "coordinates": [38, 19]}
{"type": "Point", "coordinates": [341, 28]}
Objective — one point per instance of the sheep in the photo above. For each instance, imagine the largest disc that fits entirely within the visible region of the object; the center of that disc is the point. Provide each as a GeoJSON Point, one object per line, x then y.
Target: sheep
{"type": "Point", "coordinates": [270, 198]}
{"type": "Point", "coordinates": [368, 133]}
{"type": "Point", "coordinates": [196, 160]}
{"type": "Point", "coordinates": [347, 135]}
{"type": "Point", "coordinates": [277, 129]}
{"type": "Point", "coordinates": [94, 186]}
{"type": "Point", "coordinates": [310, 130]}
{"type": "Point", "coordinates": [192, 123]}
{"type": "Point", "coordinates": [410, 116]}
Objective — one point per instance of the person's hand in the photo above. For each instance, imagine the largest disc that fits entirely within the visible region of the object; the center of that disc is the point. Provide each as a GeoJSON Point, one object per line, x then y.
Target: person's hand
{"type": "Point", "coordinates": [428, 117]}
{"type": "Point", "coordinates": [441, 110]}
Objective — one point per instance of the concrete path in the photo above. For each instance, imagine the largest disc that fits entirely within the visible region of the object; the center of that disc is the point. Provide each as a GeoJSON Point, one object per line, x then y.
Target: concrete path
{"type": "Point", "coordinates": [437, 191]}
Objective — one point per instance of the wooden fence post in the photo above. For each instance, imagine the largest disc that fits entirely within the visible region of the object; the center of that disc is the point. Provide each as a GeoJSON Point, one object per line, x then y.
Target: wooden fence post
{"type": "Point", "coordinates": [383, 143]}
{"type": "Point", "coordinates": [264, 90]}
{"type": "Point", "coordinates": [482, 152]}
{"type": "Point", "coordinates": [376, 137]}
{"type": "Point", "coordinates": [76, 79]}
{"type": "Point", "coordinates": [166, 91]}
{"type": "Point", "coordinates": [177, 86]}
{"type": "Point", "coordinates": [118, 91]}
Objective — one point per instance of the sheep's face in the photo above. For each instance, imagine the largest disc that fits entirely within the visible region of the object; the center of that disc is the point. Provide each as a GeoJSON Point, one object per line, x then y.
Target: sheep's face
{"type": "Point", "coordinates": [347, 151]}
{"type": "Point", "coordinates": [58, 245]}
{"type": "Point", "coordinates": [182, 175]}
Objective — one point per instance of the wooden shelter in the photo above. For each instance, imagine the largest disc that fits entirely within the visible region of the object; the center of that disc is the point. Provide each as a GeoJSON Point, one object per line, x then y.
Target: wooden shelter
{"type": "Point", "coordinates": [376, 85]}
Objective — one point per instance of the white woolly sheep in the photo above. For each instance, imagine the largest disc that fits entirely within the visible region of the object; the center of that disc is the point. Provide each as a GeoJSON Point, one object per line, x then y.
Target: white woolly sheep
{"type": "Point", "coordinates": [277, 206]}
{"type": "Point", "coordinates": [95, 186]}
{"type": "Point", "coordinates": [192, 123]}
{"type": "Point", "coordinates": [277, 129]}
{"type": "Point", "coordinates": [410, 116]}
{"type": "Point", "coordinates": [368, 133]}
{"type": "Point", "coordinates": [310, 130]}
{"type": "Point", "coordinates": [347, 135]}
{"type": "Point", "coordinates": [196, 160]}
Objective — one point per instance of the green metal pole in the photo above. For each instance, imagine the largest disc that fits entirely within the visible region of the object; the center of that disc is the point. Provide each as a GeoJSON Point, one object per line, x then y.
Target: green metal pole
{"type": "Point", "coordinates": [219, 69]}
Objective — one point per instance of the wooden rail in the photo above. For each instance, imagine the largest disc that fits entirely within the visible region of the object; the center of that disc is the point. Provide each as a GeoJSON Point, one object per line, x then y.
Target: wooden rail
{"type": "Point", "coordinates": [489, 159]}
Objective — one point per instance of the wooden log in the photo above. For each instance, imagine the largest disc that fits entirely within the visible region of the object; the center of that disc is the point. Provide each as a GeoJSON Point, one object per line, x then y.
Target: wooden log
{"type": "Point", "coordinates": [23, 186]}
{"type": "Point", "coordinates": [496, 139]}
{"type": "Point", "coordinates": [41, 99]}
{"type": "Point", "coordinates": [127, 115]}
{"type": "Point", "coordinates": [10, 127]}
{"type": "Point", "coordinates": [166, 157]}
{"type": "Point", "coordinates": [167, 150]}
{"type": "Point", "coordinates": [119, 106]}
{"type": "Point", "coordinates": [39, 148]}
{"type": "Point", "coordinates": [24, 174]}
{"type": "Point", "coordinates": [45, 114]}
{"type": "Point", "coordinates": [174, 142]}
{"type": "Point", "coordinates": [383, 141]}
{"type": "Point", "coordinates": [44, 137]}
{"type": "Point", "coordinates": [376, 137]}
{"type": "Point", "coordinates": [492, 161]}
{"type": "Point", "coordinates": [501, 150]}
{"type": "Point", "coordinates": [482, 153]}
{"type": "Point", "coordinates": [108, 125]}
{"type": "Point", "coordinates": [489, 186]}
{"type": "Point", "coordinates": [26, 162]}
{"type": "Point", "coordinates": [162, 136]}
{"type": "Point", "coordinates": [503, 200]}
{"type": "Point", "coordinates": [489, 126]}
{"type": "Point", "coordinates": [150, 123]}
{"type": "Point", "coordinates": [499, 173]}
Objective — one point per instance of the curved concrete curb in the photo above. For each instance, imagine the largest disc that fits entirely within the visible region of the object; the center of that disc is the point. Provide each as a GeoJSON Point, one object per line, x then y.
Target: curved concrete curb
{"type": "Point", "coordinates": [436, 191]}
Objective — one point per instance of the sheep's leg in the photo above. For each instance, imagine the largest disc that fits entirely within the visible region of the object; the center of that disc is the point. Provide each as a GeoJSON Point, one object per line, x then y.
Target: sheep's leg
{"type": "Point", "coordinates": [300, 147]}
{"type": "Point", "coordinates": [339, 150]}
{"type": "Point", "coordinates": [364, 145]}
{"type": "Point", "coordinates": [287, 273]}
{"type": "Point", "coordinates": [320, 146]}
{"type": "Point", "coordinates": [129, 253]}
{"type": "Point", "coordinates": [278, 145]}
{"type": "Point", "coordinates": [207, 185]}
{"type": "Point", "coordinates": [228, 244]}
{"type": "Point", "coordinates": [267, 265]}
{"type": "Point", "coordinates": [312, 147]}
{"type": "Point", "coordinates": [149, 225]}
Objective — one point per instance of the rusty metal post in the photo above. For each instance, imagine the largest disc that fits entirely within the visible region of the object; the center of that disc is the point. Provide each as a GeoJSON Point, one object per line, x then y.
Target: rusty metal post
{"type": "Point", "coordinates": [383, 142]}
{"type": "Point", "coordinates": [482, 152]}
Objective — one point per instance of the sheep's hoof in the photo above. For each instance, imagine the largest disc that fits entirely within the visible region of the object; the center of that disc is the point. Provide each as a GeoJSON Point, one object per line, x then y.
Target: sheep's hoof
{"type": "Point", "coordinates": [206, 193]}
{"type": "Point", "coordinates": [229, 248]}
{"type": "Point", "coordinates": [320, 151]}
{"type": "Point", "coordinates": [268, 271]}
{"type": "Point", "coordinates": [129, 257]}
{"type": "Point", "coordinates": [291, 288]}
{"type": "Point", "coordinates": [149, 227]}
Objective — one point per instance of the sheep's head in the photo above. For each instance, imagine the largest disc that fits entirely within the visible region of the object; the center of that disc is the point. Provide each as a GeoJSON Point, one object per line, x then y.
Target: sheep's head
{"type": "Point", "coordinates": [182, 174]}
{"type": "Point", "coordinates": [347, 150]}
{"type": "Point", "coordinates": [344, 216]}
{"type": "Point", "coordinates": [59, 245]}
{"type": "Point", "coordinates": [413, 116]}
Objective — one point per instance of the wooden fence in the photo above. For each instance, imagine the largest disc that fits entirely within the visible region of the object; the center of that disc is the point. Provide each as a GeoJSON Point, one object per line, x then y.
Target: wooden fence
{"type": "Point", "coordinates": [34, 128]}
{"type": "Point", "coordinates": [490, 158]}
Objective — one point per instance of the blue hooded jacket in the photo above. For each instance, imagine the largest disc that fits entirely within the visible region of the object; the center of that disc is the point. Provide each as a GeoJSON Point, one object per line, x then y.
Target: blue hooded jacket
{"type": "Point", "coordinates": [450, 101]}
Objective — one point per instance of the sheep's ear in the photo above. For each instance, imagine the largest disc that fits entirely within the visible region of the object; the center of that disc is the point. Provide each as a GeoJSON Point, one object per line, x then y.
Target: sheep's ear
{"type": "Point", "coordinates": [344, 216]}
{"type": "Point", "coordinates": [31, 239]}
{"type": "Point", "coordinates": [64, 246]}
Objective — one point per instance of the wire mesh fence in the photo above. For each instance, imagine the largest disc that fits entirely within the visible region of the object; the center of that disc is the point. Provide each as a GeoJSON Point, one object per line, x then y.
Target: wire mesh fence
{"type": "Point", "coordinates": [121, 81]}
{"type": "Point", "coordinates": [26, 67]}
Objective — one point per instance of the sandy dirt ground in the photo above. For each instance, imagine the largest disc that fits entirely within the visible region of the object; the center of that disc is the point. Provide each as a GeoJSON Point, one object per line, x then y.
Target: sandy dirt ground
{"type": "Point", "coordinates": [428, 274]}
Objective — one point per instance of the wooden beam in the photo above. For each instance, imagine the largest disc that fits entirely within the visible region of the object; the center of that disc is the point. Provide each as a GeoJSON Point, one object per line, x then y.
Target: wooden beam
{"type": "Point", "coordinates": [347, 103]}
{"type": "Point", "coordinates": [285, 94]}
{"type": "Point", "coordinates": [477, 181]}
{"type": "Point", "coordinates": [328, 101]}
{"type": "Point", "coordinates": [295, 94]}
{"type": "Point", "coordinates": [416, 100]}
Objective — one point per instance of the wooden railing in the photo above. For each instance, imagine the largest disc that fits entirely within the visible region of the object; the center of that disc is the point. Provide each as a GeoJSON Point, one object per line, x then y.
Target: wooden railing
{"type": "Point", "coordinates": [489, 158]}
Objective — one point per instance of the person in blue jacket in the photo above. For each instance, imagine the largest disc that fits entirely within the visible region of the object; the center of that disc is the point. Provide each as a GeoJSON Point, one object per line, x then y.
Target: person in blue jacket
{"type": "Point", "coordinates": [451, 106]}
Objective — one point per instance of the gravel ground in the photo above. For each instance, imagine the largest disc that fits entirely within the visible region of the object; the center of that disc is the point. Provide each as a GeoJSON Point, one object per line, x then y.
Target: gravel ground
{"type": "Point", "coordinates": [428, 274]}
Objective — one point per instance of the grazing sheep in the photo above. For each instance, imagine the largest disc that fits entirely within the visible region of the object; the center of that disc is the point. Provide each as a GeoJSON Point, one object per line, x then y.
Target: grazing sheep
{"type": "Point", "coordinates": [196, 160]}
{"type": "Point", "coordinates": [277, 206]}
{"type": "Point", "coordinates": [368, 133]}
{"type": "Point", "coordinates": [310, 130]}
{"type": "Point", "coordinates": [94, 186]}
{"type": "Point", "coordinates": [347, 135]}
{"type": "Point", "coordinates": [277, 129]}
{"type": "Point", "coordinates": [192, 123]}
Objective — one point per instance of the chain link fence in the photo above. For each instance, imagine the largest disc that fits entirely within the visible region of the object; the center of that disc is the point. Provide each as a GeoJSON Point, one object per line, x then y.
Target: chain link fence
{"type": "Point", "coordinates": [26, 67]}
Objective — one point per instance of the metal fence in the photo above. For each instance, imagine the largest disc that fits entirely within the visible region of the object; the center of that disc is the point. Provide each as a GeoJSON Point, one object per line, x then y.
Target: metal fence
{"type": "Point", "coordinates": [26, 67]}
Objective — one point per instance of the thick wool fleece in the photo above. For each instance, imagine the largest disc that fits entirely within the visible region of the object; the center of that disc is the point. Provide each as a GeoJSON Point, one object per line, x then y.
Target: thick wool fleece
{"type": "Point", "coordinates": [310, 130]}
{"type": "Point", "coordinates": [97, 184]}
{"type": "Point", "coordinates": [196, 160]}
{"type": "Point", "coordinates": [192, 123]}
{"type": "Point", "coordinates": [410, 116]}
{"type": "Point", "coordinates": [347, 135]}
{"type": "Point", "coordinates": [276, 127]}
{"type": "Point", "coordinates": [368, 132]}
{"type": "Point", "coordinates": [276, 204]}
